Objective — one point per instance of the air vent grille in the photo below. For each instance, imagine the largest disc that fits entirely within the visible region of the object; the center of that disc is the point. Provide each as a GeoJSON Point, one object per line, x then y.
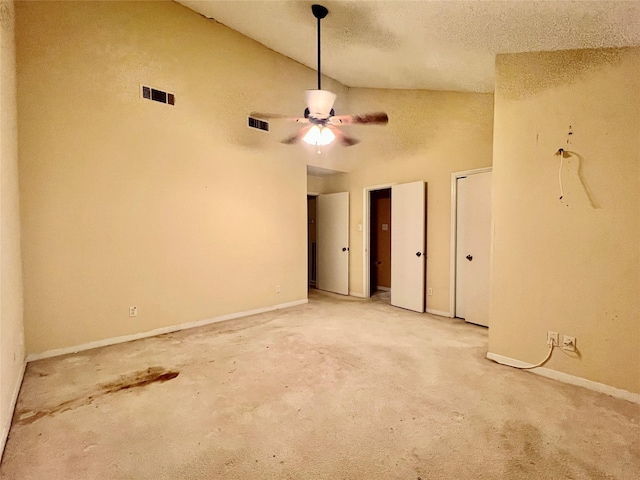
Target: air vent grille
{"type": "Point", "coordinates": [258, 124]}
{"type": "Point", "coordinates": [158, 95]}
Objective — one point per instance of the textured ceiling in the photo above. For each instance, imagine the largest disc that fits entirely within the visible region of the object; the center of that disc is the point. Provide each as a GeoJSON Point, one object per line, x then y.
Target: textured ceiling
{"type": "Point", "coordinates": [430, 44]}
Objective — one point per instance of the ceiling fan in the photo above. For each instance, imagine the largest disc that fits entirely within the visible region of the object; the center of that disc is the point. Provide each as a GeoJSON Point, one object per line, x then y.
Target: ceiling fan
{"type": "Point", "coordinates": [320, 122]}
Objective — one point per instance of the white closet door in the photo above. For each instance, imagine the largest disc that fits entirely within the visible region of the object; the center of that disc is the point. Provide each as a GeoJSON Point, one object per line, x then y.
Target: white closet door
{"type": "Point", "coordinates": [408, 245]}
{"type": "Point", "coordinates": [333, 242]}
{"type": "Point", "coordinates": [473, 248]}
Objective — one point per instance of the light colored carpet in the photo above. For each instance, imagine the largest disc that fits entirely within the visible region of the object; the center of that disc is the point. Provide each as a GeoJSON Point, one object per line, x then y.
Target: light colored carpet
{"type": "Point", "coordinates": [340, 388]}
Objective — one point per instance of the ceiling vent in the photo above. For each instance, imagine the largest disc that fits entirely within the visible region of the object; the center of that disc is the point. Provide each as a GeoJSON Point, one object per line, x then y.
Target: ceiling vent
{"type": "Point", "coordinates": [258, 124]}
{"type": "Point", "coordinates": [158, 95]}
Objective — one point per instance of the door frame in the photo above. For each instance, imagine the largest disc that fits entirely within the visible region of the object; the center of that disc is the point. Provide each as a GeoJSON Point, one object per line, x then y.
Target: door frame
{"type": "Point", "coordinates": [315, 283]}
{"type": "Point", "coordinates": [366, 235]}
{"type": "Point", "coordinates": [454, 232]}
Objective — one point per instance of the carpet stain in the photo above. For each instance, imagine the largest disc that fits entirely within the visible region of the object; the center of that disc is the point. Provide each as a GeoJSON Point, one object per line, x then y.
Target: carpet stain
{"type": "Point", "coordinates": [139, 379]}
{"type": "Point", "coordinates": [530, 454]}
{"type": "Point", "coordinates": [128, 382]}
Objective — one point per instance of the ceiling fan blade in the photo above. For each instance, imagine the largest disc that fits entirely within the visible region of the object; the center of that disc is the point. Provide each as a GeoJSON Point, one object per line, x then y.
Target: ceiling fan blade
{"type": "Point", "coordinates": [277, 116]}
{"type": "Point", "coordinates": [378, 118]}
{"type": "Point", "coordinates": [344, 139]}
{"type": "Point", "coordinates": [296, 137]}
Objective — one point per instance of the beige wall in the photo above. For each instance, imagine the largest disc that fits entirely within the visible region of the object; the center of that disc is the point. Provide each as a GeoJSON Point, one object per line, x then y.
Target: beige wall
{"type": "Point", "coordinates": [315, 184]}
{"type": "Point", "coordinates": [430, 135]}
{"type": "Point", "coordinates": [11, 309]}
{"type": "Point", "coordinates": [182, 211]}
{"type": "Point", "coordinates": [570, 266]}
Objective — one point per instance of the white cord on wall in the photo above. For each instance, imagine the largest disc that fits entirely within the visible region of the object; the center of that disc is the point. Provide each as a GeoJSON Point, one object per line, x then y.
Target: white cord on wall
{"type": "Point", "coordinates": [539, 364]}
{"type": "Point", "coordinates": [561, 153]}
{"type": "Point", "coordinates": [546, 359]}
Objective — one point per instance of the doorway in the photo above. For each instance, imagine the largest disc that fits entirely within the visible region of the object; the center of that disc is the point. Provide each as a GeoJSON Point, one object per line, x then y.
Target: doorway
{"type": "Point", "coordinates": [312, 245]}
{"type": "Point", "coordinates": [380, 245]}
{"type": "Point", "coordinates": [407, 234]}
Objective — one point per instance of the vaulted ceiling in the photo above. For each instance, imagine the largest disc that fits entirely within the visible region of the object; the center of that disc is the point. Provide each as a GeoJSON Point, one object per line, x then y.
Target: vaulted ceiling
{"type": "Point", "coordinates": [430, 44]}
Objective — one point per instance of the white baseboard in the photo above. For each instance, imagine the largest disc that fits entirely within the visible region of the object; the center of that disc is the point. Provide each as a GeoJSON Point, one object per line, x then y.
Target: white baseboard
{"type": "Point", "coordinates": [159, 331]}
{"type": "Point", "coordinates": [14, 400]}
{"type": "Point", "coordinates": [439, 313]}
{"type": "Point", "coordinates": [566, 378]}
{"type": "Point", "coordinates": [356, 294]}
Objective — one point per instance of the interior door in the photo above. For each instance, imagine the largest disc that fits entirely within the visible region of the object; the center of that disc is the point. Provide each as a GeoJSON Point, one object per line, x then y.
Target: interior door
{"type": "Point", "coordinates": [408, 245]}
{"type": "Point", "coordinates": [473, 248]}
{"type": "Point", "coordinates": [332, 231]}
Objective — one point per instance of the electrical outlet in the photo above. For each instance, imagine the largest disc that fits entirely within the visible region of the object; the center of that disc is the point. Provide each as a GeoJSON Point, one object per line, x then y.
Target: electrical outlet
{"type": "Point", "coordinates": [429, 291]}
{"type": "Point", "coordinates": [277, 288]}
{"type": "Point", "coordinates": [569, 343]}
{"type": "Point", "coordinates": [552, 338]}
{"type": "Point", "coordinates": [133, 311]}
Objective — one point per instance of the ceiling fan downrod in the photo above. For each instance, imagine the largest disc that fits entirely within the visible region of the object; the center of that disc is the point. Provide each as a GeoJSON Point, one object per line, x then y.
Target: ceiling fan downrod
{"type": "Point", "coordinates": [319, 12]}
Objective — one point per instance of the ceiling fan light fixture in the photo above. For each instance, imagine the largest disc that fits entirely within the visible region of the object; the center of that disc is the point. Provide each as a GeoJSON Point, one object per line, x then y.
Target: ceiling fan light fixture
{"type": "Point", "coordinates": [319, 136]}
{"type": "Point", "coordinates": [321, 123]}
{"type": "Point", "coordinates": [320, 102]}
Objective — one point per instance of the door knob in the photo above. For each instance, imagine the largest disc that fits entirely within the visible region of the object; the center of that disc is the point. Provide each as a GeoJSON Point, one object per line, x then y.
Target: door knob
{"type": "Point", "coordinates": [418, 254]}
{"type": "Point", "coordinates": [469, 257]}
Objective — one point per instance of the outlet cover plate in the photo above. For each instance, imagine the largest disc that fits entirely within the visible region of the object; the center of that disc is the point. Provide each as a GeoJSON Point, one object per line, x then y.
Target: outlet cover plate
{"type": "Point", "coordinates": [569, 343]}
